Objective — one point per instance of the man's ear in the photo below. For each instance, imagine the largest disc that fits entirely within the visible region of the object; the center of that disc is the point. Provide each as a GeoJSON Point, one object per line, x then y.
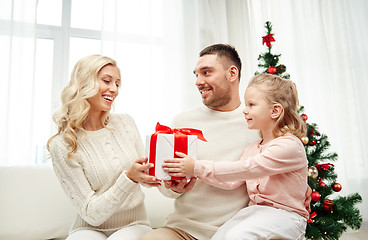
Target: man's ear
{"type": "Point", "coordinates": [233, 73]}
{"type": "Point", "coordinates": [277, 109]}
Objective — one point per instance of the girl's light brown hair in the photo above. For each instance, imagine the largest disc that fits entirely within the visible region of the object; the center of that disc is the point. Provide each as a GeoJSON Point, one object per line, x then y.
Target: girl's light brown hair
{"type": "Point", "coordinates": [281, 91]}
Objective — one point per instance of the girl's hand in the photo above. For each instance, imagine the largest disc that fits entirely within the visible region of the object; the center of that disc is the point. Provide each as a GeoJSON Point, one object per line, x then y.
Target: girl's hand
{"type": "Point", "coordinates": [179, 167]}
{"type": "Point", "coordinates": [137, 173]}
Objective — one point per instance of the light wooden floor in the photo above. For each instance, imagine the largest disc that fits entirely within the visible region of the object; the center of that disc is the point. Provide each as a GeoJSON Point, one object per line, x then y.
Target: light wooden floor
{"type": "Point", "coordinates": [362, 234]}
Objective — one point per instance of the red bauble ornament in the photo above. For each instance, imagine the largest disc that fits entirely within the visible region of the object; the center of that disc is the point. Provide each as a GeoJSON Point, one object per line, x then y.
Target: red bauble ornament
{"type": "Point", "coordinates": [312, 143]}
{"type": "Point", "coordinates": [322, 184]}
{"type": "Point", "coordinates": [271, 70]}
{"type": "Point", "coordinates": [304, 117]}
{"type": "Point", "coordinates": [315, 196]}
{"type": "Point", "coordinates": [327, 205]}
{"type": "Point", "coordinates": [336, 187]}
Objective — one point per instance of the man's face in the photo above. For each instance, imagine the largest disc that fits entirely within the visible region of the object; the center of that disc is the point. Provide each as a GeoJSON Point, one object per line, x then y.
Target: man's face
{"type": "Point", "coordinates": [212, 81]}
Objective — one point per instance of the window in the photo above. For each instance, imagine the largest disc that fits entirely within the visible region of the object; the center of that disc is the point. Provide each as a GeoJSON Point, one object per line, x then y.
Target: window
{"type": "Point", "coordinates": [40, 43]}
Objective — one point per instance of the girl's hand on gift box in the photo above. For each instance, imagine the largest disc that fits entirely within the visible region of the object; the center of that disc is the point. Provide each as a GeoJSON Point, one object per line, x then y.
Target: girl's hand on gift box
{"type": "Point", "coordinates": [179, 167]}
{"type": "Point", "coordinates": [180, 186]}
{"type": "Point", "coordinates": [138, 173]}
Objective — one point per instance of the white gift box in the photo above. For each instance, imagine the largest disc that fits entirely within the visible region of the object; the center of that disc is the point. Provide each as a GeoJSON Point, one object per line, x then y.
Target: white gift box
{"type": "Point", "coordinates": [165, 149]}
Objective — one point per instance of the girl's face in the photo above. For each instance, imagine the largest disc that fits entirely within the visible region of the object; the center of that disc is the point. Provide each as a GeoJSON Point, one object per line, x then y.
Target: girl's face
{"type": "Point", "coordinates": [257, 111]}
{"type": "Point", "coordinates": [109, 82]}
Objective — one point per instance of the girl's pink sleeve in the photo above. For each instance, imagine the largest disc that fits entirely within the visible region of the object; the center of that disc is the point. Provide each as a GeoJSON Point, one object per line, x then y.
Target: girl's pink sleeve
{"type": "Point", "coordinates": [204, 170]}
{"type": "Point", "coordinates": [285, 155]}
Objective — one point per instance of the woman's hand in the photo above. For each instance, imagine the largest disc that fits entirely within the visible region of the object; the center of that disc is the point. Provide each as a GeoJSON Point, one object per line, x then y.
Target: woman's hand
{"type": "Point", "coordinates": [138, 173]}
{"type": "Point", "coordinates": [179, 167]}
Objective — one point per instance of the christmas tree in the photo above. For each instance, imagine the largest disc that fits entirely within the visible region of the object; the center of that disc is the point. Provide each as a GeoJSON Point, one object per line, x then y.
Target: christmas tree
{"type": "Point", "coordinates": [329, 217]}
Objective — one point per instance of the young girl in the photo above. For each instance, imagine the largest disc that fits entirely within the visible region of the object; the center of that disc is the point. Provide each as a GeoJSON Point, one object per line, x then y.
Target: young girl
{"type": "Point", "coordinates": [274, 168]}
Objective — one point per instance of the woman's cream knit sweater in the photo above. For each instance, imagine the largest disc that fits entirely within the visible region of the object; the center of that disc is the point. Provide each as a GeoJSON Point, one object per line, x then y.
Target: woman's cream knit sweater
{"type": "Point", "coordinates": [95, 182]}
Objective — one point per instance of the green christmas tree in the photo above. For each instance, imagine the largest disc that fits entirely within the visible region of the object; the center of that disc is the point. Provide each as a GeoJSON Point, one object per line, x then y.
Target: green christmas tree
{"type": "Point", "coordinates": [329, 217]}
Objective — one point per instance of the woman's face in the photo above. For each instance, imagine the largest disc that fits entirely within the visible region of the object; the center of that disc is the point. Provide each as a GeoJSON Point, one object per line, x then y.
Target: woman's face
{"type": "Point", "coordinates": [109, 82]}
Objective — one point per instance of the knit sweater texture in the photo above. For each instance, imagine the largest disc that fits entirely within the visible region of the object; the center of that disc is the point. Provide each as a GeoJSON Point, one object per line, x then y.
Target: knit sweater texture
{"type": "Point", "coordinates": [95, 181]}
{"type": "Point", "coordinates": [202, 210]}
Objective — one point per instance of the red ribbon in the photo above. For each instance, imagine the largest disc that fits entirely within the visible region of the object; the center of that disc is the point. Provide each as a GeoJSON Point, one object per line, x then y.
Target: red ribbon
{"type": "Point", "coordinates": [186, 131]}
{"type": "Point", "coordinates": [180, 142]}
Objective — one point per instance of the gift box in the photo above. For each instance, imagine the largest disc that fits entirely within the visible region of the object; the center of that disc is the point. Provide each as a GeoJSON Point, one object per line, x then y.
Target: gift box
{"type": "Point", "coordinates": [165, 142]}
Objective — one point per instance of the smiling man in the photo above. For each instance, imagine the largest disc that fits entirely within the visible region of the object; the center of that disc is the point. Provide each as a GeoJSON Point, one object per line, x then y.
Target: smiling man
{"type": "Point", "coordinates": [200, 209]}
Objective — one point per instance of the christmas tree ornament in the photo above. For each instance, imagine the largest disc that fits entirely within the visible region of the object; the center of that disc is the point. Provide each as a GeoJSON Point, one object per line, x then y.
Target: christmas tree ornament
{"type": "Point", "coordinates": [315, 196]}
{"type": "Point", "coordinates": [280, 68]}
{"type": "Point", "coordinates": [311, 216]}
{"type": "Point", "coordinates": [312, 143]}
{"type": "Point", "coordinates": [312, 131]}
{"type": "Point", "coordinates": [336, 187]}
{"type": "Point", "coordinates": [324, 167]}
{"type": "Point", "coordinates": [268, 39]}
{"type": "Point", "coordinates": [305, 140]}
{"type": "Point", "coordinates": [304, 117]}
{"type": "Point", "coordinates": [312, 172]}
{"type": "Point", "coordinates": [327, 205]}
{"type": "Point", "coordinates": [322, 184]}
{"type": "Point", "coordinates": [272, 70]}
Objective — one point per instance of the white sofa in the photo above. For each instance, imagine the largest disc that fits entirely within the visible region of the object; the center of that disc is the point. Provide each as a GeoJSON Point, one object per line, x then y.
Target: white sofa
{"type": "Point", "coordinates": [33, 205]}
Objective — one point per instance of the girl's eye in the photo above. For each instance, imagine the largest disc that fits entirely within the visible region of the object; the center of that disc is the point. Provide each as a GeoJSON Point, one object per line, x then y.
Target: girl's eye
{"type": "Point", "coordinates": [106, 81]}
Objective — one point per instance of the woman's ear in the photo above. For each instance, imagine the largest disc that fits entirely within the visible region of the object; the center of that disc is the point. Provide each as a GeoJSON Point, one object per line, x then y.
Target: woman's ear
{"type": "Point", "coordinates": [276, 111]}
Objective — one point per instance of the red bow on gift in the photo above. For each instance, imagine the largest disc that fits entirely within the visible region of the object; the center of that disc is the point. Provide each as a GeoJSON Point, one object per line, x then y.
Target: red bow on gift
{"type": "Point", "coordinates": [186, 131]}
{"type": "Point", "coordinates": [180, 142]}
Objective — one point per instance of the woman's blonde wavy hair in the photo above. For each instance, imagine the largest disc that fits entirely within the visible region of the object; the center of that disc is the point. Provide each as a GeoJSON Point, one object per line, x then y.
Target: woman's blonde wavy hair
{"type": "Point", "coordinates": [281, 91]}
{"type": "Point", "coordinates": [83, 84]}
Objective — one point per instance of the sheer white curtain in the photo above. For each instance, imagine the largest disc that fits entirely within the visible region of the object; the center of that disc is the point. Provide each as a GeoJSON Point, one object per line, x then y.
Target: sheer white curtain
{"type": "Point", "coordinates": [152, 67]}
{"type": "Point", "coordinates": [323, 46]}
{"type": "Point", "coordinates": [18, 94]}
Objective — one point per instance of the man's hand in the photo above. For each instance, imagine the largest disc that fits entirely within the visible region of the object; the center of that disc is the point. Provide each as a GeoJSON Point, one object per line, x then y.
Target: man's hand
{"type": "Point", "coordinates": [137, 173]}
{"type": "Point", "coordinates": [181, 186]}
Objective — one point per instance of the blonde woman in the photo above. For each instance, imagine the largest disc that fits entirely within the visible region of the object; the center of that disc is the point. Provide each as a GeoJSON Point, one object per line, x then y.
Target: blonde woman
{"type": "Point", "coordinates": [98, 157]}
{"type": "Point", "coordinates": [274, 168]}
